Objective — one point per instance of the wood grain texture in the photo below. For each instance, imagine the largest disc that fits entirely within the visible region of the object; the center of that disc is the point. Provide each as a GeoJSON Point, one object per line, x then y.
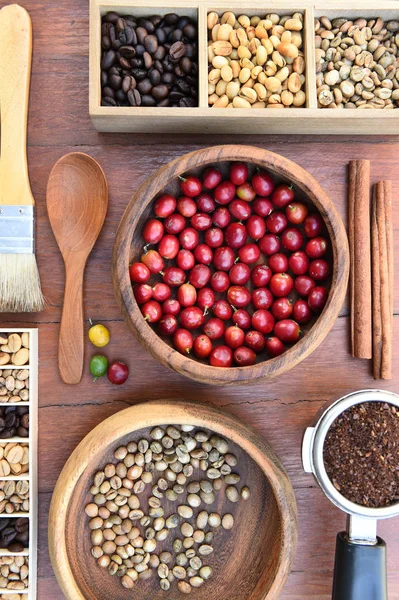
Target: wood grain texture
{"type": "Point", "coordinates": [129, 244]}
{"type": "Point", "coordinates": [281, 409]}
{"type": "Point", "coordinates": [77, 201]}
{"type": "Point", "coordinates": [266, 539]}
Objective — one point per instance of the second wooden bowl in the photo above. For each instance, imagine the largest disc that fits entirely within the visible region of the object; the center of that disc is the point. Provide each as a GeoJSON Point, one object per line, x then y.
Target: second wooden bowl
{"type": "Point", "coordinates": [129, 243]}
{"type": "Point", "coordinates": [250, 562]}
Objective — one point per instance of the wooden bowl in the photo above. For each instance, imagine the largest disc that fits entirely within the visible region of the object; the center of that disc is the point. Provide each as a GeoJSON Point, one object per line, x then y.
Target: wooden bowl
{"type": "Point", "coordinates": [129, 243]}
{"type": "Point", "coordinates": [250, 562]}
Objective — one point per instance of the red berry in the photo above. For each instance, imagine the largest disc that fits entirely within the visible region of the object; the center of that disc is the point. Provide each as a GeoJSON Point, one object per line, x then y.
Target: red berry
{"type": "Point", "coordinates": [296, 212]}
{"type": "Point", "coordinates": [224, 192]}
{"type": "Point", "coordinates": [240, 210]}
{"type": "Point", "coordinates": [185, 259]}
{"type": "Point", "coordinates": [282, 196]}
{"type": "Point", "coordinates": [203, 254]}
{"type": "Point", "coordinates": [221, 356]}
{"type": "Point", "coordinates": [282, 308]}
{"type": "Point", "coordinates": [278, 263]}
{"type": "Point", "coordinates": [214, 328]}
{"type": "Point", "coordinates": [317, 299]}
{"type": "Point", "coordinates": [164, 206]}
{"type": "Point", "coordinates": [238, 296]}
{"type": "Point", "coordinates": [281, 284]}
{"type": "Point", "coordinates": [175, 223]}
{"type": "Point", "coordinates": [174, 276]}
{"type": "Point", "coordinates": [200, 276]}
{"type": "Point", "coordinates": [139, 273]}
{"type": "Point", "coordinates": [186, 206]}
{"type": "Point", "coordinates": [205, 299]}
{"type": "Point", "coordinates": [238, 173]}
{"type": "Point", "coordinates": [153, 231]}
{"type": "Point", "coordinates": [316, 247]}
{"type": "Point", "coordinates": [261, 275]}
{"type": "Point", "coordinates": [153, 260]}
{"type": "Point", "coordinates": [221, 217]}
{"type": "Point", "coordinates": [262, 298]}
{"type": "Point", "coordinates": [161, 292]}
{"type": "Point", "coordinates": [292, 239]}
{"type": "Point", "coordinates": [168, 247]}
{"type": "Point", "coordinates": [142, 293]}
{"type": "Point", "coordinates": [235, 235]}
{"type": "Point", "coordinates": [242, 318]}
{"type": "Point", "coordinates": [313, 225]}
{"type": "Point", "coordinates": [211, 178]}
{"type": "Point", "coordinates": [302, 313]}
{"type": "Point", "coordinates": [234, 337]}
{"type": "Point", "coordinates": [191, 317]}
{"type": "Point", "coordinates": [246, 192]}
{"type": "Point", "coordinates": [263, 321]}
{"type": "Point", "coordinates": [298, 263]}
{"type": "Point", "coordinates": [262, 183]}
{"type": "Point", "coordinates": [201, 221]}
{"type": "Point", "coordinates": [269, 244]}
{"type": "Point", "coordinates": [262, 207]}
{"type": "Point", "coordinates": [276, 222]}
{"type": "Point", "coordinates": [239, 274]}
{"type": "Point", "coordinates": [190, 186]}
{"type": "Point", "coordinates": [274, 346]}
{"type": "Point", "coordinates": [249, 253]}
{"type": "Point", "coordinates": [220, 281]}
{"type": "Point", "coordinates": [223, 310]}
{"type": "Point", "coordinates": [287, 331]}
{"type": "Point", "coordinates": [223, 258]}
{"type": "Point", "coordinates": [256, 227]}
{"type": "Point", "coordinates": [117, 373]}
{"type": "Point", "coordinates": [187, 295]}
{"type": "Point", "coordinates": [202, 346]}
{"type": "Point", "coordinates": [303, 285]}
{"type": "Point", "coordinates": [214, 237]}
{"type": "Point", "coordinates": [255, 340]}
{"type": "Point", "coordinates": [171, 307]}
{"type": "Point", "coordinates": [183, 341]}
{"type": "Point", "coordinates": [319, 269]}
{"type": "Point", "coordinates": [167, 325]}
{"type": "Point", "coordinates": [152, 311]}
{"type": "Point", "coordinates": [189, 238]}
{"type": "Point", "coordinates": [205, 203]}
{"type": "Point", "coordinates": [244, 357]}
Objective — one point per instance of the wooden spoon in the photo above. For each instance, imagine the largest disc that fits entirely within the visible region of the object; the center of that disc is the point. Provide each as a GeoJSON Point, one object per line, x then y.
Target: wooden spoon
{"type": "Point", "coordinates": [77, 201]}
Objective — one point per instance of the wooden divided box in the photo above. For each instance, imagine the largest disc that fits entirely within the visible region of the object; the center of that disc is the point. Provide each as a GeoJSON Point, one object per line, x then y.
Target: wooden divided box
{"type": "Point", "coordinates": [308, 119]}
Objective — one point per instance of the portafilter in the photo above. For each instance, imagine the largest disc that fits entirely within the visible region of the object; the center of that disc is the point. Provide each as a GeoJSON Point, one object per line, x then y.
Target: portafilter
{"type": "Point", "coordinates": [360, 571]}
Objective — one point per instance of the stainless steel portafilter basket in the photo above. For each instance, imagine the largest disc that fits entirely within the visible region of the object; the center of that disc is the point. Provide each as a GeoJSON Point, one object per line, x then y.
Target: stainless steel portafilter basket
{"type": "Point", "coordinates": [360, 558]}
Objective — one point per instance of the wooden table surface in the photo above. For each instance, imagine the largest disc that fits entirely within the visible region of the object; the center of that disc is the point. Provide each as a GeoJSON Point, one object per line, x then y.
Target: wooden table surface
{"type": "Point", "coordinates": [279, 410]}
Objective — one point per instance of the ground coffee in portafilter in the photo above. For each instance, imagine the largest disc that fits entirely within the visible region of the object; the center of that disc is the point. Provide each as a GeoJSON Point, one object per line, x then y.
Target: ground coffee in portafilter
{"type": "Point", "coordinates": [361, 454]}
{"type": "Point", "coordinates": [149, 61]}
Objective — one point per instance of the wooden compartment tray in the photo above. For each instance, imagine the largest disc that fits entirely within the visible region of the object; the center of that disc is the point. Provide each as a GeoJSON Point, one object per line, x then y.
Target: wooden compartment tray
{"type": "Point", "coordinates": [31, 475]}
{"type": "Point", "coordinates": [204, 119]}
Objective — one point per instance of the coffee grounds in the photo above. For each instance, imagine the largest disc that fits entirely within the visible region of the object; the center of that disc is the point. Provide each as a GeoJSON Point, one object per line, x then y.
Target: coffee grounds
{"type": "Point", "coordinates": [361, 454]}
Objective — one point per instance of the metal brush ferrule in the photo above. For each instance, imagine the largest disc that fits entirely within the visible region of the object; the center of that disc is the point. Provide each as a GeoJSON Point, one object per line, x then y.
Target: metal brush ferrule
{"type": "Point", "coordinates": [16, 229]}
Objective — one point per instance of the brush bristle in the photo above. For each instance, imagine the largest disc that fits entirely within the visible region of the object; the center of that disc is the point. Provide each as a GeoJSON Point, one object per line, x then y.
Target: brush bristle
{"type": "Point", "coordinates": [20, 289]}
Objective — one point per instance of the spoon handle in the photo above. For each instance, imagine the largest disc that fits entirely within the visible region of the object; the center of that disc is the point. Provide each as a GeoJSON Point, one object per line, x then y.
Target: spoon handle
{"type": "Point", "coordinates": [71, 341]}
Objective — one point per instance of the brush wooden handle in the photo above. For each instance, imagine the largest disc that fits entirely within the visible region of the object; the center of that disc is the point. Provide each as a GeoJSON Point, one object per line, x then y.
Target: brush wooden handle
{"type": "Point", "coordinates": [15, 68]}
{"type": "Point", "coordinates": [71, 341]}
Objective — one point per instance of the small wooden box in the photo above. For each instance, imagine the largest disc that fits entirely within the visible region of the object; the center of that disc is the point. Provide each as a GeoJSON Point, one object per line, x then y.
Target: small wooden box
{"type": "Point", "coordinates": [204, 119]}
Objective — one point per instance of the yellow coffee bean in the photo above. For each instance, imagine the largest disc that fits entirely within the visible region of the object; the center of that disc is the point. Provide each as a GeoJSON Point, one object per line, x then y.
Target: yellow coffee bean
{"type": "Point", "coordinates": [221, 87]}
{"type": "Point", "coordinates": [241, 103]}
{"type": "Point", "coordinates": [219, 61]}
{"type": "Point", "coordinates": [232, 89]}
{"type": "Point", "coordinates": [249, 83]}
{"type": "Point", "coordinates": [270, 69]}
{"type": "Point", "coordinates": [275, 105]}
{"type": "Point", "coordinates": [229, 18]}
{"type": "Point", "coordinates": [214, 76]}
{"type": "Point", "coordinates": [287, 97]}
{"type": "Point", "coordinates": [226, 73]}
{"type": "Point", "coordinates": [260, 91]}
{"type": "Point", "coordinates": [259, 105]}
{"type": "Point", "coordinates": [266, 24]}
{"type": "Point", "coordinates": [261, 55]}
{"type": "Point", "coordinates": [211, 54]}
{"type": "Point", "coordinates": [212, 20]}
{"type": "Point", "coordinates": [275, 99]}
{"type": "Point", "coordinates": [242, 36]}
{"type": "Point", "coordinates": [224, 32]}
{"type": "Point", "coordinates": [251, 33]}
{"type": "Point", "coordinates": [256, 71]}
{"type": "Point", "coordinates": [296, 39]}
{"type": "Point", "coordinates": [288, 50]}
{"type": "Point", "coordinates": [211, 88]}
{"type": "Point", "coordinates": [253, 45]}
{"type": "Point", "coordinates": [246, 63]}
{"type": "Point", "coordinates": [286, 37]}
{"type": "Point", "coordinates": [244, 52]}
{"type": "Point", "coordinates": [294, 83]}
{"type": "Point", "coordinates": [268, 45]}
{"type": "Point", "coordinates": [249, 94]}
{"type": "Point", "coordinates": [283, 74]}
{"type": "Point", "coordinates": [233, 39]}
{"type": "Point", "coordinates": [235, 65]}
{"type": "Point", "coordinates": [244, 21]}
{"type": "Point", "coordinates": [293, 24]}
{"type": "Point", "coordinates": [244, 75]}
{"type": "Point", "coordinates": [262, 77]}
{"type": "Point", "coordinates": [275, 40]}
{"type": "Point", "coordinates": [213, 98]}
{"type": "Point", "coordinates": [221, 102]}
{"type": "Point", "coordinates": [215, 31]}
{"type": "Point", "coordinates": [299, 65]}
{"type": "Point", "coordinates": [254, 21]}
{"type": "Point", "coordinates": [222, 48]}
{"type": "Point", "coordinates": [278, 30]}
{"type": "Point", "coordinates": [272, 84]}
{"type": "Point", "coordinates": [261, 32]}
{"type": "Point", "coordinates": [299, 98]}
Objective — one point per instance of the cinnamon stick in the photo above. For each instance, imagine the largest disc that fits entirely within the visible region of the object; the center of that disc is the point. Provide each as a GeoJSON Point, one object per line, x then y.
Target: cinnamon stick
{"type": "Point", "coordinates": [382, 262]}
{"type": "Point", "coordinates": [360, 249]}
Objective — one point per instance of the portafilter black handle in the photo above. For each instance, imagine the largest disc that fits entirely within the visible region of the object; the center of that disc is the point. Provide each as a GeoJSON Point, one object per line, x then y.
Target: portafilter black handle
{"type": "Point", "coordinates": [360, 571]}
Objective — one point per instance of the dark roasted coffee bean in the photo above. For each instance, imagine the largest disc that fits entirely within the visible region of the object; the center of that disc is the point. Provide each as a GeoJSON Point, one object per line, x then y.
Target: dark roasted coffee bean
{"type": "Point", "coordinates": [112, 17]}
{"type": "Point", "coordinates": [139, 74]}
{"type": "Point", "coordinates": [127, 52]}
{"type": "Point", "coordinates": [8, 433]}
{"type": "Point", "coordinates": [167, 29]}
{"type": "Point", "coordinates": [8, 534]}
{"type": "Point", "coordinates": [22, 524]}
{"type": "Point", "coordinates": [134, 98]}
{"type": "Point", "coordinates": [130, 21]}
{"type": "Point", "coordinates": [140, 50]}
{"type": "Point", "coordinates": [191, 51]}
{"type": "Point", "coordinates": [107, 101]}
{"type": "Point", "coordinates": [108, 91]}
{"type": "Point", "coordinates": [177, 50]}
{"type": "Point", "coordinates": [155, 77]}
{"type": "Point", "coordinates": [112, 34]}
{"type": "Point", "coordinates": [190, 31]}
{"type": "Point", "coordinates": [137, 63]}
{"type": "Point", "coordinates": [151, 43]}
{"type": "Point", "coordinates": [168, 78]}
{"type": "Point", "coordinates": [108, 59]}
{"type": "Point", "coordinates": [116, 82]}
{"type": "Point", "coordinates": [25, 421]}
{"type": "Point", "coordinates": [22, 431]}
{"type": "Point", "coordinates": [160, 53]}
{"type": "Point", "coordinates": [23, 537]}
{"type": "Point", "coordinates": [131, 37]}
{"type": "Point", "coordinates": [165, 102]}
{"type": "Point", "coordinates": [193, 92]}
{"type": "Point", "coordinates": [156, 20]}
{"type": "Point", "coordinates": [116, 44]}
{"type": "Point", "coordinates": [168, 66]}
{"type": "Point", "coordinates": [175, 96]}
{"type": "Point", "coordinates": [182, 22]}
{"type": "Point", "coordinates": [147, 60]}
{"type": "Point", "coordinates": [161, 36]}
{"type": "Point", "coordinates": [144, 86]}
{"type": "Point", "coordinates": [148, 100]}
{"type": "Point", "coordinates": [105, 42]}
{"type": "Point", "coordinates": [171, 19]}
{"type": "Point", "coordinates": [186, 65]}
{"type": "Point", "coordinates": [147, 24]}
{"type": "Point", "coordinates": [183, 86]}
{"type": "Point", "coordinates": [2, 423]}
{"type": "Point", "coordinates": [129, 83]}
{"type": "Point", "coordinates": [179, 71]}
{"type": "Point", "coordinates": [176, 36]}
{"type": "Point", "coordinates": [15, 547]}
{"type": "Point", "coordinates": [4, 523]}
{"type": "Point", "coordinates": [141, 34]}
{"type": "Point", "coordinates": [124, 63]}
{"type": "Point", "coordinates": [104, 78]}
{"type": "Point", "coordinates": [158, 65]}
{"type": "Point", "coordinates": [160, 92]}
{"type": "Point", "coordinates": [120, 25]}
